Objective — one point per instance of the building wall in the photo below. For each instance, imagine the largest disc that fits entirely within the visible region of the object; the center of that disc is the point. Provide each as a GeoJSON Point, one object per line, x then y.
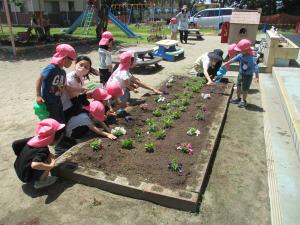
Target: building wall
{"type": "Point", "coordinates": [235, 36]}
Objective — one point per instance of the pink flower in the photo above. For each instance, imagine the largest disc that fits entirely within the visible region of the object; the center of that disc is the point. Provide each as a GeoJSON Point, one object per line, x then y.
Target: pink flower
{"type": "Point", "coordinates": [185, 148]}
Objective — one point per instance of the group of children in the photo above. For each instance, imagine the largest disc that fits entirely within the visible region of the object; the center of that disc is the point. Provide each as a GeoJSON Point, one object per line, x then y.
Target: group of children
{"type": "Point", "coordinates": [210, 63]}
{"type": "Point", "coordinates": [74, 111]}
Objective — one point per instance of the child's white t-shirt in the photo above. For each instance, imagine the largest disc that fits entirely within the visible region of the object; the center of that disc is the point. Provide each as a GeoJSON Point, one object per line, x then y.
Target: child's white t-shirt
{"type": "Point", "coordinates": [120, 77]}
{"type": "Point", "coordinates": [201, 63]}
{"type": "Point", "coordinates": [104, 58]}
{"type": "Point", "coordinates": [81, 119]}
{"type": "Point", "coordinates": [71, 81]}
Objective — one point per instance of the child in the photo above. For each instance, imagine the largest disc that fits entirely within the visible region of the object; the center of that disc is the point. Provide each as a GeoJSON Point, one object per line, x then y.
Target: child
{"type": "Point", "coordinates": [208, 64]}
{"type": "Point", "coordinates": [248, 66]}
{"type": "Point", "coordinates": [50, 84]}
{"type": "Point", "coordinates": [174, 28]}
{"type": "Point", "coordinates": [74, 94]}
{"type": "Point", "coordinates": [79, 125]}
{"type": "Point", "coordinates": [125, 79]}
{"type": "Point", "coordinates": [105, 64]}
{"type": "Point", "coordinates": [34, 160]}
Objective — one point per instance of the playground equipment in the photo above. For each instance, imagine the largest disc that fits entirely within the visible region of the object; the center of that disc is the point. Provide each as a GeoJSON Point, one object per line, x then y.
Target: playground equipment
{"type": "Point", "coordinates": [86, 18]}
{"type": "Point", "coordinates": [168, 51]}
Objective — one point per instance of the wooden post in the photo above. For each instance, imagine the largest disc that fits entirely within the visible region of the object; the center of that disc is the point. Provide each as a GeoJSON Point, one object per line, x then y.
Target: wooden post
{"type": "Point", "coordinates": [12, 40]}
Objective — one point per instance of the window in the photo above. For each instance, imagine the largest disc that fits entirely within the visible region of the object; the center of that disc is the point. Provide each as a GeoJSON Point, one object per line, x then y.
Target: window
{"type": "Point", "coordinates": [71, 6]}
{"type": "Point", "coordinates": [203, 14]}
{"type": "Point", "coordinates": [213, 13]}
{"type": "Point", "coordinates": [226, 12]}
{"type": "Point", "coordinates": [52, 7]}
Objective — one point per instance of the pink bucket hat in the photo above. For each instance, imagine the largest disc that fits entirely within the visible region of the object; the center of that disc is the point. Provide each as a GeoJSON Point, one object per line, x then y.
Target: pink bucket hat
{"type": "Point", "coordinates": [100, 94]}
{"type": "Point", "coordinates": [173, 20]}
{"type": "Point", "coordinates": [114, 89]}
{"type": "Point", "coordinates": [45, 131]}
{"type": "Point", "coordinates": [125, 60]}
{"type": "Point", "coordinates": [243, 44]}
{"type": "Point", "coordinates": [63, 51]}
{"type": "Point", "coordinates": [97, 110]}
{"type": "Point", "coordinates": [231, 51]}
{"type": "Point", "coordinates": [105, 38]}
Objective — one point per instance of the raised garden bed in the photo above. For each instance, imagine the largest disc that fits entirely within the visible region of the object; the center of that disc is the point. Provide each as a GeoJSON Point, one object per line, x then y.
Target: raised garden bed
{"type": "Point", "coordinates": [160, 158]}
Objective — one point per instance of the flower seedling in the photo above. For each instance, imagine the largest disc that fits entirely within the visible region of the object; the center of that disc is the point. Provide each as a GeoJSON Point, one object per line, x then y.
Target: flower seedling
{"type": "Point", "coordinates": [175, 103]}
{"type": "Point", "coordinates": [149, 147]}
{"type": "Point", "coordinates": [164, 107]}
{"type": "Point", "coordinates": [199, 116]}
{"type": "Point", "coordinates": [182, 108]}
{"type": "Point", "coordinates": [156, 112]}
{"type": "Point", "coordinates": [151, 125]}
{"type": "Point", "coordinates": [138, 132]}
{"type": "Point", "coordinates": [118, 131]}
{"type": "Point", "coordinates": [160, 134]}
{"type": "Point", "coordinates": [175, 166]}
{"type": "Point", "coordinates": [196, 89]}
{"type": "Point", "coordinates": [193, 131]}
{"type": "Point", "coordinates": [127, 143]}
{"type": "Point", "coordinates": [199, 105]}
{"type": "Point", "coordinates": [178, 95]}
{"type": "Point", "coordinates": [159, 99]}
{"type": "Point", "coordinates": [189, 95]}
{"type": "Point", "coordinates": [184, 102]}
{"type": "Point", "coordinates": [176, 115]}
{"type": "Point", "coordinates": [167, 122]}
{"type": "Point", "coordinates": [96, 145]}
{"type": "Point", "coordinates": [185, 148]}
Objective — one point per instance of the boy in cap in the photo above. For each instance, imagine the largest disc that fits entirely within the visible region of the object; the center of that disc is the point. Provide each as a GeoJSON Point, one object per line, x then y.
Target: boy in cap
{"type": "Point", "coordinates": [34, 160]}
{"type": "Point", "coordinates": [248, 67]}
{"type": "Point", "coordinates": [50, 84]}
{"type": "Point", "coordinates": [208, 65]}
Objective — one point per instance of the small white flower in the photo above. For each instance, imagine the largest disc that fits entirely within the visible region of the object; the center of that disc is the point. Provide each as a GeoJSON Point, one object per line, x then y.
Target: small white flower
{"type": "Point", "coordinates": [118, 130]}
{"type": "Point", "coordinates": [197, 132]}
{"type": "Point", "coordinates": [161, 99]}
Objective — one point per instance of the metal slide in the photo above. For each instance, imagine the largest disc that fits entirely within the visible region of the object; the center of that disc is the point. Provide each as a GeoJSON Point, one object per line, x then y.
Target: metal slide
{"type": "Point", "coordinates": [76, 23]}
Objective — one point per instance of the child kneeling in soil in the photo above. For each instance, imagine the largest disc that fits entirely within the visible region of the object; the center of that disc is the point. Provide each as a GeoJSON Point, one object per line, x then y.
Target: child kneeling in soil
{"type": "Point", "coordinates": [34, 160]}
{"type": "Point", "coordinates": [74, 95]}
{"type": "Point", "coordinates": [208, 65]}
{"type": "Point", "coordinates": [248, 67]}
{"type": "Point", "coordinates": [80, 125]}
{"type": "Point", "coordinates": [125, 79]}
{"type": "Point", "coordinates": [50, 84]}
{"type": "Point", "coordinates": [105, 63]}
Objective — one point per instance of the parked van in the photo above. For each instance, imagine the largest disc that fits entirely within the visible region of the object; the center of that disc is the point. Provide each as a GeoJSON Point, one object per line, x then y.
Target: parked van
{"type": "Point", "coordinates": [214, 17]}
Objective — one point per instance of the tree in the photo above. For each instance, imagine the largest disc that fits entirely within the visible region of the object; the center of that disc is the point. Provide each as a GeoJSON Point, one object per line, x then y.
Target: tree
{"type": "Point", "coordinates": [103, 7]}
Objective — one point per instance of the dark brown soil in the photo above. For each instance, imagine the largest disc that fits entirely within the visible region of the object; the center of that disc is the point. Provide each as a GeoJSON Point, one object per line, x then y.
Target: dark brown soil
{"type": "Point", "coordinates": [137, 164]}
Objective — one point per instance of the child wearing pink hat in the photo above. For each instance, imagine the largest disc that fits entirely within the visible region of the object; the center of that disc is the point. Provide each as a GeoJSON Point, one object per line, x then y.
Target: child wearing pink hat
{"type": "Point", "coordinates": [174, 28]}
{"type": "Point", "coordinates": [248, 67]}
{"type": "Point", "coordinates": [80, 125]}
{"type": "Point", "coordinates": [105, 63]}
{"type": "Point", "coordinates": [125, 79]}
{"type": "Point", "coordinates": [74, 94]}
{"type": "Point", "coordinates": [50, 84]}
{"type": "Point", "coordinates": [34, 160]}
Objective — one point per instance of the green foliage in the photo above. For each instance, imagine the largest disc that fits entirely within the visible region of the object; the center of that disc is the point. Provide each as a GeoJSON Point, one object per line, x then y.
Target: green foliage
{"type": "Point", "coordinates": [174, 165]}
{"type": "Point", "coordinates": [127, 143]}
{"type": "Point", "coordinates": [178, 95]}
{"type": "Point", "coordinates": [160, 134]}
{"type": "Point", "coordinates": [96, 145]}
{"type": "Point", "coordinates": [199, 105]}
{"type": "Point", "coordinates": [182, 108]}
{"type": "Point", "coordinates": [199, 116]}
{"type": "Point", "coordinates": [184, 102]}
{"type": "Point", "coordinates": [149, 147]}
{"type": "Point", "coordinates": [167, 122]}
{"type": "Point", "coordinates": [156, 112]}
{"type": "Point", "coordinates": [196, 89]}
{"type": "Point", "coordinates": [164, 106]}
{"type": "Point", "coordinates": [151, 125]}
{"type": "Point", "coordinates": [175, 103]}
{"type": "Point", "coordinates": [175, 115]}
{"type": "Point", "coordinates": [138, 132]}
{"type": "Point", "coordinates": [150, 121]}
{"type": "Point", "coordinates": [189, 95]}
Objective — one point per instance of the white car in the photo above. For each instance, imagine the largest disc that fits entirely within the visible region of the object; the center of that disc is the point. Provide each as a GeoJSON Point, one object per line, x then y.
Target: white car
{"type": "Point", "coordinates": [214, 17]}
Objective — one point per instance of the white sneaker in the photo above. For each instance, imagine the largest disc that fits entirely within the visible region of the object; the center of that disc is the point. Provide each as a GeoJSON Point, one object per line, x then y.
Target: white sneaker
{"type": "Point", "coordinates": [46, 182]}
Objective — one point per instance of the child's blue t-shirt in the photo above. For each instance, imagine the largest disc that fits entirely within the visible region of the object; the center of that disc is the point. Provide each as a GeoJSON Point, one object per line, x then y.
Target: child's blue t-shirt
{"type": "Point", "coordinates": [248, 64]}
{"type": "Point", "coordinates": [53, 83]}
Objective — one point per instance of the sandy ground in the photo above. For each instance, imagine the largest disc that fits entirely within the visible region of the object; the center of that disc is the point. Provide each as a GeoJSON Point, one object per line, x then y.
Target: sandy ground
{"type": "Point", "coordinates": [237, 193]}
